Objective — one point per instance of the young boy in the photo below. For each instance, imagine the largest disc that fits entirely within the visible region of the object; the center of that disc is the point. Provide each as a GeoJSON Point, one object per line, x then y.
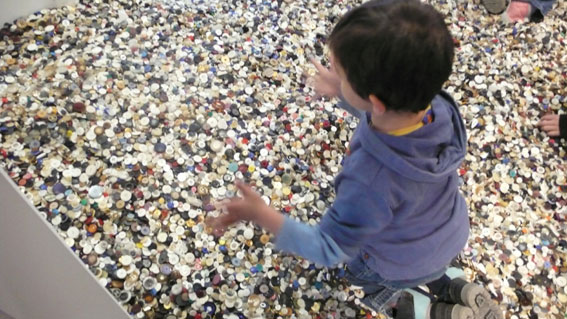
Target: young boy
{"type": "Point", "coordinates": [398, 218]}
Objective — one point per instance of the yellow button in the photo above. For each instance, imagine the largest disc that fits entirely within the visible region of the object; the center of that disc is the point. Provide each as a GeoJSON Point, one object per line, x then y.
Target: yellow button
{"type": "Point", "coordinates": [265, 238]}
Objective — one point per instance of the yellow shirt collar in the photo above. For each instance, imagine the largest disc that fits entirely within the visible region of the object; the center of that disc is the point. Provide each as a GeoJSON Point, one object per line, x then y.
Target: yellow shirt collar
{"type": "Point", "coordinates": [409, 129]}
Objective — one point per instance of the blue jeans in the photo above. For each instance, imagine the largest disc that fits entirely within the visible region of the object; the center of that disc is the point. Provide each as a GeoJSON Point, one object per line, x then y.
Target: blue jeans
{"type": "Point", "coordinates": [543, 6]}
{"type": "Point", "coordinates": [380, 294]}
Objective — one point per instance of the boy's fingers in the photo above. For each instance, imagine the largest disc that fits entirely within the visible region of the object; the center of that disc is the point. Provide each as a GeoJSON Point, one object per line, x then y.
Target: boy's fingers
{"type": "Point", "coordinates": [310, 81]}
{"type": "Point", "coordinates": [217, 232]}
{"type": "Point", "coordinates": [549, 126]}
{"type": "Point", "coordinates": [245, 189]}
{"type": "Point", "coordinates": [318, 65]}
{"type": "Point", "coordinates": [320, 87]}
{"type": "Point", "coordinates": [221, 204]}
{"type": "Point", "coordinates": [222, 221]}
{"type": "Point", "coordinates": [211, 221]}
{"type": "Point", "coordinates": [551, 131]}
{"type": "Point", "coordinates": [548, 117]}
{"type": "Point", "coordinates": [214, 225]}
{"type": "Point", "coordinates": [233, 206]}
{"type": "Point", "coordinates": [542, 121]}
{"type": "Point", "coordinates": [547, 121]}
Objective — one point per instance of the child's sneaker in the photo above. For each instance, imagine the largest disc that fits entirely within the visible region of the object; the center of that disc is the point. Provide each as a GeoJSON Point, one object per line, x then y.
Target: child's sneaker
{"type": "Point", "coordinates": [440, 310]}
{"type": "Point", "coordinates": [494, 6]}
{"type": "Point", "coordinates": [416, 304]}
{"type": "Point", "coordinates": [475, 297]}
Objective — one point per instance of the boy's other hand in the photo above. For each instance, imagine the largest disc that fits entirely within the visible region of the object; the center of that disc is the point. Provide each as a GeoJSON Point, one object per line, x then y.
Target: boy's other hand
{"type": "Point", "coordinates": [250, 207]}
{"type": "Point", "coordinates": [326, 82]}
{"type": "Point", "coordinates": [550, 124]}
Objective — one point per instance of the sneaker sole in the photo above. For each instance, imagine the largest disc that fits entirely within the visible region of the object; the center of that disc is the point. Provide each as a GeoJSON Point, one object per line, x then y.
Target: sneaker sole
{"type": "Point", "coordinates": [478, 299]}
{"type": "Point", "coordinates": [462, 312]}
{"type": "Point", "coordinates": [442, 310]}
{"type": "Point", "coordinates": [494, 6]}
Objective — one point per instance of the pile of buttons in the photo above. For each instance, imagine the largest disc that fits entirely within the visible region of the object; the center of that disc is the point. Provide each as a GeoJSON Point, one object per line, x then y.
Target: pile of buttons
{"type": "Point", "coordinates": [124, 122]}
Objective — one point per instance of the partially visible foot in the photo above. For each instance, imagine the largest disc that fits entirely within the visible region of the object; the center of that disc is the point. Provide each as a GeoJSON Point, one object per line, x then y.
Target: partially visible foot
{"type": "Point", "coordinates": [440, 310]}
{"type": "Point", "coordinates": [405, 307]}
{"type": "Point", "coordinates": [475, 297]}
{"type": "Point", "coordinates": [518, 11]}
{"type": "Point", "coordinates": [494, 6]}
{"type": "Point", "coordinates": [417, 305]}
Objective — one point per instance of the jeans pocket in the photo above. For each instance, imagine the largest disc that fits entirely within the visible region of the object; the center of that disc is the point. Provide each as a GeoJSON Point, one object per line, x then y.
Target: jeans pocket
{"type": "Point", "coordinates": [359, 274]}
{"type": "Point", "coordinates": [355, 266]}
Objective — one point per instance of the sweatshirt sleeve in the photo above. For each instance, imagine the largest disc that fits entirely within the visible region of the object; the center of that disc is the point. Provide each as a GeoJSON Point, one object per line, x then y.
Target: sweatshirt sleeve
{"type": "Point", "coordinates": [309, 242]}
{"type": "Point", "coordinates": [355, 216]}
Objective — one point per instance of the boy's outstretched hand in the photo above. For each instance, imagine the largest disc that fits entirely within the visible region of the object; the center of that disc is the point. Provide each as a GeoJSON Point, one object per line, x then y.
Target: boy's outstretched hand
{"type": "Point", "coordinates": [326, 82]}
{"type": "Point", "coordinates": [550, 124]}
{"type": "Point", "coordinates": [251, 207]}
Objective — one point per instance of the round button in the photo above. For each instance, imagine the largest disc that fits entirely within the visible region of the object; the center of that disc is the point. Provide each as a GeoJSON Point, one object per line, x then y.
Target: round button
{"type": "Point", "coordinates": [125, 260]}
{"type": "Point", "coordinates": [73, 232]}
{"type": "Point", "coordinates": [248, 233]}
{"type": "Point", "coordinates": [125, 196]}
{"type": "Point", "coordinates": [121, 273]}
{"type": "Point", "coordinates": [95, 191]}
{"type": "Point", "coordinates": [92, 228]}
{"type": "Point", "coordinates": [264, 239]}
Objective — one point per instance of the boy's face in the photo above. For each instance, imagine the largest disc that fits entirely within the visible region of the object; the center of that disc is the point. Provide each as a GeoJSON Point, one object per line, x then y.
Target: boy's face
{"type": "Point", "coordinates": [346, 89]}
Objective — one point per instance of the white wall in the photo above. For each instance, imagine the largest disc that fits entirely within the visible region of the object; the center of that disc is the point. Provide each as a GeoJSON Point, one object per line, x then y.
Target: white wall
{"type": "Point", "coordinates": [39, 276]}
{"type": "Point", "coordinates": [13, 9]}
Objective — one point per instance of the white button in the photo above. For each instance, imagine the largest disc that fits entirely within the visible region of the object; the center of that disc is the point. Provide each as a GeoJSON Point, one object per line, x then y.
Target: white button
{"type": "Point", "coordinates": [125, 195]}
{"type": "Point", "coordinates": [73, 232]}
{"type": "Point", "coordinates": [125, 260]}
{"type": "Point", "coordinates": [248, 233]}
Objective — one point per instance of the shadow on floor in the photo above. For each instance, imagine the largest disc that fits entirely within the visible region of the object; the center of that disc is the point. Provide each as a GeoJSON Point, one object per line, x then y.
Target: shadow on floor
{"type": "Point", "coordinates": [4, 315]}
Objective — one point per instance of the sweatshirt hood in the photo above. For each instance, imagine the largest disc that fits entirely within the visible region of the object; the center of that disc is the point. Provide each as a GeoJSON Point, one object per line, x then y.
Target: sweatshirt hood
{"type": "Point", "coordinates": [427, 154]}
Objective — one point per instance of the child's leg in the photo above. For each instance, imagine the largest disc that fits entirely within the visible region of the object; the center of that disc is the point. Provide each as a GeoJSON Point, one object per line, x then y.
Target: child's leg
{"type": "Point", "coordinates": [544, 6]}
{"type": "Point", "coordinates": [377, 297]}
{"type": "Point", "coordinates": [383, 300]}
{"type": "Point", "coordinates": [440, 287]}
{"type": "Point", "coordinates": [378, 294]}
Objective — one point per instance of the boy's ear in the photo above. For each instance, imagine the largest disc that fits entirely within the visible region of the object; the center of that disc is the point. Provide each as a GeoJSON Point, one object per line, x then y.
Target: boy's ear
{"type": "Point", "coordinates": [378, 106]}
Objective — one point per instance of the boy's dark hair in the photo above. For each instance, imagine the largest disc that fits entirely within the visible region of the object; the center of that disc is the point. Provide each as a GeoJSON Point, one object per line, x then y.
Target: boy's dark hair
{"type": "Point", "coordinates": [400, 51]}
